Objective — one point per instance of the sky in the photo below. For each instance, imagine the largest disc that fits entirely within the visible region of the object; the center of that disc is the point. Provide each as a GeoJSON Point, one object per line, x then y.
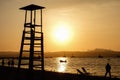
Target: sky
{"type": "Point", "coordinates": [68, 25]}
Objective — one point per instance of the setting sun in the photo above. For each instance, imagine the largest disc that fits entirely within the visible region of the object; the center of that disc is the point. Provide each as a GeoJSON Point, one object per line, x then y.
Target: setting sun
{"type": "Point", "coordinates": [61, 33]}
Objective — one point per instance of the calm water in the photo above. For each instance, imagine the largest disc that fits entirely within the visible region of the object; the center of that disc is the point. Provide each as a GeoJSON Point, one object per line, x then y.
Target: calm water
{"type": "Point", "coordinates": [96, 66]}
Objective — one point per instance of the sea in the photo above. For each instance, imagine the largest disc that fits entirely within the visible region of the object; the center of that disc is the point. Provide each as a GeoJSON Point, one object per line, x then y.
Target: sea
{"type": "Point", "coordinates": [94, 66]}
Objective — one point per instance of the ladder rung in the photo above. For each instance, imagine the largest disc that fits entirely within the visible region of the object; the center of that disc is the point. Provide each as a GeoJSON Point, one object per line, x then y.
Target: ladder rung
{"type": "Point", "coordinates": [27, 38]}
{"type": "Point", "coordinates": [29, 51]}
{"type": "Point", "coordinates": [28, 32]}
{"type": "Point", "coordinates": [25, 58]}
{"type": "Point", "coordinates": [37, 32]}
{"type": "Point", "coordinates": [26, 50]}
{"type": "Point", "coordinates": [37, 38]}
{"type": "Point", "coordinates": [37, 66]}
{"type": "Point", "coordinates": [37, 25]}
{"type": "Point", "coordinates": [27, 24]}
{"type": "Point", "coordinates": [34, 44]}
{"type": "Point", "coordinates": [37, 43]}
{"type": "Point", "coordinates": [37, 51]}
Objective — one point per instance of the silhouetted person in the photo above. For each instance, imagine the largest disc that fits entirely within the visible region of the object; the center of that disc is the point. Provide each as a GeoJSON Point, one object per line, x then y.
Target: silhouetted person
{"type": "Point", "coordinates": [9, 63]}
{"type": "Point", "coordinates": [3, 62]}
{"type": "Point", "coordinates": [108, 68]}
{"type": "Point", "coordinates": [12, 63]}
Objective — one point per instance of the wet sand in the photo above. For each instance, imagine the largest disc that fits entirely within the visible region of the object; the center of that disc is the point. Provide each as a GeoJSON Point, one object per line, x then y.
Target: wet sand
{"type": "Point", "coordinates": [9, 73]}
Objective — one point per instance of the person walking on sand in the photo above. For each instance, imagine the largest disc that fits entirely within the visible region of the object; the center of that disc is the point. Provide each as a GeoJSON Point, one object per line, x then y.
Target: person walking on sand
{"type": "Point", "coordinates": [108, 70]}
{"type": "Point", "coordinates": [9, 63]}
{"type": "Point", "coordinates": [12, 63]}
{"type": "Point", "coordinates": [3, 62]}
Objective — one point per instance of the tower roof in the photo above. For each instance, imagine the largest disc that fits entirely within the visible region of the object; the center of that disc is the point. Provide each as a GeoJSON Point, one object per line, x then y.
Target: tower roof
{"type": "Point", "coordinates": [32, 7]}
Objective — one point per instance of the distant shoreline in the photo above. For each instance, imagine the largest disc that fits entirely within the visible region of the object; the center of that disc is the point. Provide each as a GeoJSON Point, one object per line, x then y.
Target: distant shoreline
{"type": "Point", "coordinates": [90, 53]}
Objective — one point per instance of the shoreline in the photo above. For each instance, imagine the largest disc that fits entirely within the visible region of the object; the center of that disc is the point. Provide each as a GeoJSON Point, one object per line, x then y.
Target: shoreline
{"type": "Point", "coordinates": [10, 73]}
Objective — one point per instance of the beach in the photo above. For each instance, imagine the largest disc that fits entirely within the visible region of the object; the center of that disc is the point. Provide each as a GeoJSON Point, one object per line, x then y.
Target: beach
{"type": "Point", "coordinates": [94, 66]}
{"type": "Point", "coordinates": [9, 73]}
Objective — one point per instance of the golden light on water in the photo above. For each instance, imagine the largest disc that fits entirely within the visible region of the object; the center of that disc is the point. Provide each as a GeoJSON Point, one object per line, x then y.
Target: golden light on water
{"type": "Point", "coordinates": [62, 65]}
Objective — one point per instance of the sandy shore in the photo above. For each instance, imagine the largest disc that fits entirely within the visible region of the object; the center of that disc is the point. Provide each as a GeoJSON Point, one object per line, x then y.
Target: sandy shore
{"type": "Point", "coordinates": [7, 73]}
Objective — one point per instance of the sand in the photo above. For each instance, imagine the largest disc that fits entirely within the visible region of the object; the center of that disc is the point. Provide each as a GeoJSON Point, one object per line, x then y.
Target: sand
{"type": "Point", "coordinates": [9, 73]}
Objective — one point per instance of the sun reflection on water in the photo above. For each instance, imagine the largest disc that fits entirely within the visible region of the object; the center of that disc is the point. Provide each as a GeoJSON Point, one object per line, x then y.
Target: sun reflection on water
{"type": "Point", "coordinates": [62, 64]}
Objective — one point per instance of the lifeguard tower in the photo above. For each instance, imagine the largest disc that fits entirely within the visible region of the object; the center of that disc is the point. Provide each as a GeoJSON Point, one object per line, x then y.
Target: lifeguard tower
{"type": "Point", "coordinates": [32, 50]}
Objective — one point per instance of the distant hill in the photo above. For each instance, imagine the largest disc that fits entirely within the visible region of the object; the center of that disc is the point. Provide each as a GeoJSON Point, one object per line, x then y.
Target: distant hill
{"type": "Point", "coordinates": [91, 53]}
{"type": "Point", "coordinates": [9, 54]}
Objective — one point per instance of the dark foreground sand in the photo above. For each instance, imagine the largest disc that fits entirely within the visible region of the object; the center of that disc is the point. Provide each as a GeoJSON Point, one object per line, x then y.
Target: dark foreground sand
{"type": "Point", "coordinates": [7, 73]}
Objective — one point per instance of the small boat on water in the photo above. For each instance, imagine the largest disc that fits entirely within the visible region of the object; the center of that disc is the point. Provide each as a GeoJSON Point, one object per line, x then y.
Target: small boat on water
{"type": "Point", "coordinates": [63, 61]}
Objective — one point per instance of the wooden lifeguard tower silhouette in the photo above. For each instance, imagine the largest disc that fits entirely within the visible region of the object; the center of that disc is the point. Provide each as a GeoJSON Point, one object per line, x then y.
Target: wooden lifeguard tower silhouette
{"type": "Point", "coordinates": [32, 50]}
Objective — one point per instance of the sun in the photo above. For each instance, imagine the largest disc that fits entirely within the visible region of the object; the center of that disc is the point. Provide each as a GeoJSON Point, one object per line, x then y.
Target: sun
{"type": "Point", "coordinates": [61, 33]}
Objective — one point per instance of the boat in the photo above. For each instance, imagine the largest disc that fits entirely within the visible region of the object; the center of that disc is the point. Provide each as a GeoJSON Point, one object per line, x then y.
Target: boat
{"type": "Point", "coordinates": [63, 61]}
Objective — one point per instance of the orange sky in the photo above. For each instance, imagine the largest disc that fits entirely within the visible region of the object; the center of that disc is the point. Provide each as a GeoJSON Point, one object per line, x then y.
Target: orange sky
{"type": "Point", "coordinates": [87, 24]}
